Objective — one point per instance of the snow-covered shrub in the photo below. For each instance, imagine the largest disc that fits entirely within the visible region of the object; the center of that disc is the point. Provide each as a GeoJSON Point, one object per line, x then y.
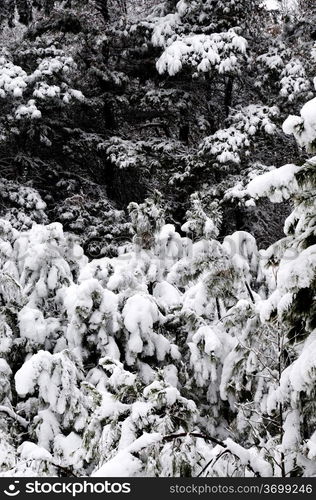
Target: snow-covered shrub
{"type": "Point", "coordinates": [227, 144]}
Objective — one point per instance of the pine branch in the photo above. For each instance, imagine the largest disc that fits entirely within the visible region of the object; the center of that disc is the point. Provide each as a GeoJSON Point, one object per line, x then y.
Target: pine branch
{"type": "Point", "coordinates": [171, 437]}
{"type": "Point", "coordinates": [250, 292]}
{"type": "Point", "coordinates": [22, 421]}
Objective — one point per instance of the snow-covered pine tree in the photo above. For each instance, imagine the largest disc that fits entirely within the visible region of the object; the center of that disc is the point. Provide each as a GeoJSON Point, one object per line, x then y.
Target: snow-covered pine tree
{"type": "Point", "coordinates": [179, 349]}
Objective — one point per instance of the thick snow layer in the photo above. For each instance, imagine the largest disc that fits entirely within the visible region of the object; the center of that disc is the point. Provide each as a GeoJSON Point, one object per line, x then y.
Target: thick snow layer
{"type": "Point", "coordinates": [92, 308]}
{"type": "Point", "coordinates": [167, 295]}
{"type": "Point", "coordinates": [243, 245]}
{"type": "Point", "coordinates": [47, 430]}
{"type": "Point", "coordinates": [4, 367]}
{"type": "Point", "coordinates": [301, 375]}
{"type": "Point", "coordinates": [272, 4]}
{"type": "Point", "coordinates": [164, 29]}
{"type": "Point", "coordinates": [7, 454]}
{"type": "Point", "coordinates": [55, 378]}
{"type": "Point", "coordinates": [30, 451]}
{"type": "Point", "coordinates": [34, 327]}
{"type": "Point", "coordinates": [265, 308]}
{"type": "Point", "coordinates": [118, 377]}
{"type": "Point", "coordinates": [311, 445]}
{"type": "Point", "coordinates": [291, 123]}
{"type": "Point", "coordinates": [227, 144]}
{"type": "Point", "coordinates": [294, 81]}
{"type": "Point", "coordinates": [212, 343]}
{"type": "Point", "coordinates": [15, 82]}
{"type": "Point", "coordinates": [140, 313]}
{"type": "Point", "coordinates": [124, 464]}
{"type": "Point", "coordinates": [291, 434]}
{"type": "Point", "coordinates": [251, 457]}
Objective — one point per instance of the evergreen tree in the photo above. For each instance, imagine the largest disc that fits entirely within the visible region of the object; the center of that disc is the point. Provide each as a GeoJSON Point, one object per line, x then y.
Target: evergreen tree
{"type": "Point", "coordinates": [144, 329]}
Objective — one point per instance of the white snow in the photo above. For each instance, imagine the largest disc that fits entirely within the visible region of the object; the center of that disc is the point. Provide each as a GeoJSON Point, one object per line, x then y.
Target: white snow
{"type": "Point", "coordinates": [277, 184]}
{"type": "Point", "coordinates": [251, 457]}
{"type": "Point", "coordinates": [167, 295]}
{"type": "Point", "coordinates": [227, 144]}
{"type": "Point", "coordinates": [68, 448]}
{"type": "Point", "coordinates": [218, 51]}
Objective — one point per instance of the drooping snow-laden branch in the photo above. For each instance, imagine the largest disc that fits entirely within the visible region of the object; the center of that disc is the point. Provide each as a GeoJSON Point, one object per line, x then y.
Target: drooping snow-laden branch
{"type": "Point", "coordinates": [171, 437]}
{"type": "Point", "coordinates": [22, 421]}
{"type": "Point", "coordinates": [66, 470]}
